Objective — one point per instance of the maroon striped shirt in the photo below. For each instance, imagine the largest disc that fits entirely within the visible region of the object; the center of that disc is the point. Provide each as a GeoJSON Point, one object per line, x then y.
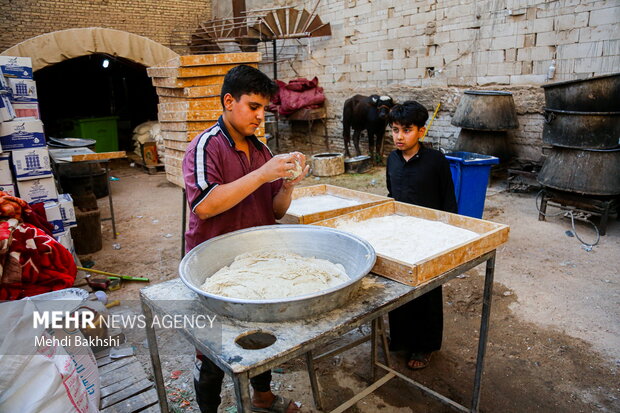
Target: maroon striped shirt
{"type": "Point", "coordinates": [212, 159]}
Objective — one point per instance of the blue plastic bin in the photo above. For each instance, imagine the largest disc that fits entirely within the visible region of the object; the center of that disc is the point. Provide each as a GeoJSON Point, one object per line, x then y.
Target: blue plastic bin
{"type": "Point", "coordinates": [470, 174]}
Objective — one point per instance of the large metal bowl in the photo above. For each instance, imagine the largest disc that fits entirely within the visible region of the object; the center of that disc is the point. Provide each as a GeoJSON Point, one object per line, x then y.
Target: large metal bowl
{"type": "Point", "coordinates": [594, 94]}
{"type": "Point", "coordinates": [355, 254]}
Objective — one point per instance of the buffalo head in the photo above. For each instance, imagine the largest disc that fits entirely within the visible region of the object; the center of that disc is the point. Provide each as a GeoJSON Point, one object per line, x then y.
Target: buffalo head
{"type": "Point", "coordinates": [383, 104]}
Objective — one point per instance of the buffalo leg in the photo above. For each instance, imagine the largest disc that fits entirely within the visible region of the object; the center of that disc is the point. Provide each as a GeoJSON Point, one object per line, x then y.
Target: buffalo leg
{"type": "Point", "coordinates": [371, 146]}
{"type": "Point", "coordinates": [346, 134]}
{"type": "Point", "coordinates": [346, 128]}
{"type": "Point", "coordinates": [380, 143]}
{"type": "Point", "coordinates": [356, 141]}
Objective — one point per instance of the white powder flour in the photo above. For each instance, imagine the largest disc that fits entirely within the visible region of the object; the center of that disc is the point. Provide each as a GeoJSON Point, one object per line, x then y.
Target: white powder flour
{"type": "Point", "coordinates": [271, 275]}
{"type": "Point", "coordinates": [407, 239]}
{"type": "Point", "coordinates": [319, 203]}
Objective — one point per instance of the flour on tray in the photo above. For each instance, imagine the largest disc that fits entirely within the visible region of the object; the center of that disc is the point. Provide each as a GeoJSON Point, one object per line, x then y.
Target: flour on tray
{"type": "Point", "coordinates": [405, 238]}
{"type": "Point", "coordinates": [270, 275]}
{"type": "Point", "coordinates": [311, 204]}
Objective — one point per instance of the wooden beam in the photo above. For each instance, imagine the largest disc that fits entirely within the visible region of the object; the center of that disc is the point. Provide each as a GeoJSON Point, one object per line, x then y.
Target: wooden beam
{"type": "Point", "coordinates": [214, 59]}
{"type": "Point", "coordinates": [173, 82]}
{"type": "Point", "coordinates": [98, 156]}
{"type": "Point", "coordinates": [192, 71]}
{"type": "Point", "coordinates": [351, 402]}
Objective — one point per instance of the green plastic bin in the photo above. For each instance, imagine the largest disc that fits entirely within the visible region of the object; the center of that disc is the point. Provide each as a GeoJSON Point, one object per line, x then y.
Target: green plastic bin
{"type": "Point", "coordinates": [103, 130]}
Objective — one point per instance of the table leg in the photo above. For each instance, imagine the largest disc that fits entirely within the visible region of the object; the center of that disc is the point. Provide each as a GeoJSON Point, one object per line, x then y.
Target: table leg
{"type": "Point", "coordinates": [604, 217]}
{"type": "Point", "coordinates": [326, 138]}
{"type": "Point", "coordinates": [107, 179]}
{"type": "Point", "coordinates": [543, 207]}
{"type": "Point", "coordinates": [310, 122]}
{"type": "Point", "coordinates": [484, 330]}
{"type": "Point", "coordinates": [373, 349]}
{"type": "Point", "coordinates": [242, 392]}
{"type": "Point", "coordinates": [316, 392]}
{"type": "Point", "coordinates": [384, 342]}
{"type": "Point", "coordinates": [183, 223]}
{"type": "Point", "coordinates": [155, 362]}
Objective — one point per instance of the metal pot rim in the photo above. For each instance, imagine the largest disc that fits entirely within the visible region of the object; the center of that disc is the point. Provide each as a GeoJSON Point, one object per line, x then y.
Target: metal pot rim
{"type": "Point", "coordinates": [488, 92]}
{"type": "Point", "coordinates": [189, 255]}
{"type": "Point", "coordinates": [572, 112]}
{"type": "Point", "coordinates": [568, 82]}
{"type": "Point", "coordinates": [571, 148]}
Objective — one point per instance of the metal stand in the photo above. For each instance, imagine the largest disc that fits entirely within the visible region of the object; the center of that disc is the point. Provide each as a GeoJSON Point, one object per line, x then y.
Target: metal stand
{"type": "Point", "coordinates": [583, 207]}
{"type": "Point", "coordinates": [155, 362]}
{"type": "Point", "coordinates": [378, 330]}
{"type": "Point", "coordinates": [107, 179]}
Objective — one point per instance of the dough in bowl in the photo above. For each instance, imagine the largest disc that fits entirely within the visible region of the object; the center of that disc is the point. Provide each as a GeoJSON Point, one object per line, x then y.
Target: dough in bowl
{"type": "Point", "coordinates": [274, 274]}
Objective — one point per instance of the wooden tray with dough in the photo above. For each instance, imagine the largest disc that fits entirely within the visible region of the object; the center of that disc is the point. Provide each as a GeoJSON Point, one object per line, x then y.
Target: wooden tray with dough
{"type": "Point", "coordinates": [491, 236]}
{"type": "Point", "coordinates": [365, 199]}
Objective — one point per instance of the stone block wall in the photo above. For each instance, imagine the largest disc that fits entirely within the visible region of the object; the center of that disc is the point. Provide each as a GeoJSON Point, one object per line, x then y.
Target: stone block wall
{"type": "Point", "coordinates": [166, 22]}
{"type": "Point", "coordinates": [433, 50]}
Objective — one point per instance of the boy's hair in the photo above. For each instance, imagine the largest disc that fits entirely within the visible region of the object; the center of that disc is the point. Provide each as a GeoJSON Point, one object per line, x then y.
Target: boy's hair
{"type": "Point", "coordinates": [408, 113]}
{"type": "Point", "coordinates": [244, 80]}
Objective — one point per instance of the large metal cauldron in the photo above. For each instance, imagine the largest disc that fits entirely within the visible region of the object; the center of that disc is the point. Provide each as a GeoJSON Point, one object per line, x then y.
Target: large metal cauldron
{"type": "Point", "coordinates": [588, 130]}
{"type": "Point", "coordinates": [590, 172]}
{"type": "Point", "coordinates": [596, 94]}
{"type": "Point", "coordinates": [355, 254]}
{"type": "Point", "coordinates": [489, 110]}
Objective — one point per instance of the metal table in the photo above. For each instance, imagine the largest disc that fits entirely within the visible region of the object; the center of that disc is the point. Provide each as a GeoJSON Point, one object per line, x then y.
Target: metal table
{"type": "Point", "coordinates": [310, 116]}
{"type": "Point", "coordinates": [301, 337]}
{"type": "Point", "coordinates": [64, 157]}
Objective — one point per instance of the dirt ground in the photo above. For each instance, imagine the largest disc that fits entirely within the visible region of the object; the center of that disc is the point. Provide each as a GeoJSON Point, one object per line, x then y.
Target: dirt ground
{"type": "Point", "coordinates": [554, 341]}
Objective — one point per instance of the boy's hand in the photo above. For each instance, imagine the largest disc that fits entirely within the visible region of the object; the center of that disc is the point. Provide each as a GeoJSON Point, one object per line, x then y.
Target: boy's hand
{"type": "Point", "coordinates": [300, 171]}
{"type": "Point", "coordinates": [280, 166]}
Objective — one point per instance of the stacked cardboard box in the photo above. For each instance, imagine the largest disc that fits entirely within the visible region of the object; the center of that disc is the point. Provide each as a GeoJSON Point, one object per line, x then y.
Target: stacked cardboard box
{"type": "Point", "coordinates": [6, 108]}
{"type": "Point", "coordinates": [22, 87]}
{"type": "Point", "coordinates": [25, 168]}
{"type": "Point", "coordinates": [188, 88]}
{"type": "Point", "coordinates": [29, 167]}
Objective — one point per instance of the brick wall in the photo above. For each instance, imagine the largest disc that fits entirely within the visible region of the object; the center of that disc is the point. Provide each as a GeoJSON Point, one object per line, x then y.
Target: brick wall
{"type": "Point", "coordinates": [166, 22]}
{"type": "Point", "coordinates": [433, 50]}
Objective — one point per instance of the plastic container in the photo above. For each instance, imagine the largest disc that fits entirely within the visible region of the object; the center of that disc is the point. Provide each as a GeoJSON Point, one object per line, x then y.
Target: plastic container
{"type": "Point", "coordinates": [470, 174]}
{"type": "Point", "coordinates": [103, 130]}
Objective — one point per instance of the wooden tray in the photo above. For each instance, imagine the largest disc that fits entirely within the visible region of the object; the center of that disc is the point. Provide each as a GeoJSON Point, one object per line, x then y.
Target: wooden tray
{"type": "Point", "coordinates": [366, 200]}
{"type": "Point", "coordinates": [491, 236]}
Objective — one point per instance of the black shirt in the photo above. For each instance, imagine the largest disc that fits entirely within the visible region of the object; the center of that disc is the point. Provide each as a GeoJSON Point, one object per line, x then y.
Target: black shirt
{"type": "Point", "coordinates": [423, 180]}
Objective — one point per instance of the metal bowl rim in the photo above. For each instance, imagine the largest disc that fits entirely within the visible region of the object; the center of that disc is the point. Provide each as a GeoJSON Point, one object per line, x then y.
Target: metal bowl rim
{"type": "Point", "coordinates": [278, 227]}
{"type": "Point", "coordinates": [327, 155]}
{"type": "Point", "coordinates": [568, 82]}
{"type": "Point", "coordinates": [358, 158]}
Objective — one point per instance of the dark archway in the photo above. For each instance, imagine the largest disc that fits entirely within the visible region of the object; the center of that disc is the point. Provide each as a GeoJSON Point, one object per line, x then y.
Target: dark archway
{"type": "Point", "coordinates": [95, 86]}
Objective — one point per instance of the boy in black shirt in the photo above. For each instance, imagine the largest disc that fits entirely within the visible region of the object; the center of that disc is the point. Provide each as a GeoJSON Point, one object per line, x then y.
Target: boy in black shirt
{"type": "Point", "coordinates": [420, 176]}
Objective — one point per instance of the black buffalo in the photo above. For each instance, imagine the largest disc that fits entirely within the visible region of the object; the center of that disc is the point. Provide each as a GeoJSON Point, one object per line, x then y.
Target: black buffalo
{"type": "Point", "coordinates": [369, 113]}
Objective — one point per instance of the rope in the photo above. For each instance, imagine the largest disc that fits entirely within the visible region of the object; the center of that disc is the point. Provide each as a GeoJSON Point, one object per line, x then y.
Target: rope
{"type": "Point", "coordinates": [587, 246]}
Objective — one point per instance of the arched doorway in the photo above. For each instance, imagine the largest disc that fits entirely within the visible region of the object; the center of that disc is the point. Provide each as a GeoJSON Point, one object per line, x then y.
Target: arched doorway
{"type": "Point", "coordinates": [50, 48]}
{"type": "Point", "coordinates": [93, 73]}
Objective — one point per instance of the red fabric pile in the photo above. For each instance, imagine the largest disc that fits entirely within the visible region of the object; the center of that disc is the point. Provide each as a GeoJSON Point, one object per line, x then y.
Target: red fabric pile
{"type": "Point", "coordinates": [31, 261]}
{"type": "Point", "coordinates": [298, 94]}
